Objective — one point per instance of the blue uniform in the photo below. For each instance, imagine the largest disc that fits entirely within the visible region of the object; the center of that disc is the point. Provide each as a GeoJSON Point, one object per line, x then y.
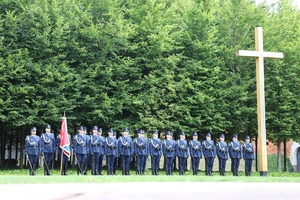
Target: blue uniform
{"type": "Point", "coordinates": [182, 154]}
{"type": "Point", "coordinates": [126, 151]}
{"type": "Point", "coordinates": [47, 148]}
{"type": "Point", "coordinates": [81, 148]}
{"type": "Point", "coordinates": [235, 153]}
{"type": "Point", "coordinates": [248, 155]}
{"type": "Point", "coordinates": [141, 152]}
{"type": "Point", "coordinates": [209, 153]}
{"type": "Point", "coordinates": [155, 151]}
{"type": "Point", "coordinates": [65, 158]}
{"type": "Point", "coordinates": [111, 150]}
{"type": "Point", "coordinates": [32, 147]}
{"type": "Point", "coordinates": [196, 155]}
{"type": "Point", "coordinates": [115, 161]}
{"type": "Point", "coordinates": [88, 156]}
{"type": "Point", "coordinates": [102, 153]}
{"type": "Point", "coordinates": [222, 153]}
{"type": "Point", "coordinates": [169, 151]}
{"type": "Point", "coordinates": [95, 150]}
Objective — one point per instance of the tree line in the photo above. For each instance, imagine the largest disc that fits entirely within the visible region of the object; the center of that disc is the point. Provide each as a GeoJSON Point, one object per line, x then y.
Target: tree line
{"type": "Point", "coordinates": [146, 64]}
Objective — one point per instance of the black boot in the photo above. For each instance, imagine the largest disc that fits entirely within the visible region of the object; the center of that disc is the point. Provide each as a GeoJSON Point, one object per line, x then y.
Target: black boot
{"type": "Point", "coordinates": [123, 172]}
{"type": "Point", "coordinates": [249, 173]}
{"type": "Point", "coordinates": [48, 171]}
{"type": "Point", "coordinates": [143, 172]}
{"type": "Point", "coordinates": [45, 170]}
{"type": "Point", "coordinates": [78, 171]}
{"type": "Point", "coordinates": [167, 173]}
{"type": "Point", "coordinates": [114, 172]}
{"type": "Point", "coordinates": [137, 172]}
{"type": "Point", "coordinates": [153, 172]}
{"type": "Point", "coordinates": [30, 171]}
{"type": "Point", "coordinates": [108, 171]}
{"type": "Point", "coordinates": [156, 172]}
{"type": "Point", "coordinates": [66, 169]}
{"type": "Point", "coordinates": [34, 169]}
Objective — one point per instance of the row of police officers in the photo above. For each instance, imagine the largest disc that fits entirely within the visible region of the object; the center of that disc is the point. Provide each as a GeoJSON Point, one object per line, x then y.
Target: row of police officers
{"type": "Point", "coordinates": [94, 147]}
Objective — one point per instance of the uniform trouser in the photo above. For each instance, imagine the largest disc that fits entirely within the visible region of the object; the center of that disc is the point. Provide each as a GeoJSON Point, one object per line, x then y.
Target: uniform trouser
{"type": "Point", "coordinates": [169, 163]}
{"type": "Point", "coordinates": [115, 163]}
{"type": "Point", "coordinates": [209, 162]}
{"type": "Point", "coordinates": [195, 163]}
{"type": "Point", "coordinates": [235, 163]}
{"type": "Point", "coordinates": [100, 162]}
{"type": "Point", "coordinates": [248, 165]}
{"type": "Point", "coordinates": [81, 158]}
{"type": "Point", "coordinates": [141, 161]}
{"type": "Point", "coordinates": [126, 162]}
{"type": "Point", "coordinates": [95, 161]}
{"type": "Point", "coordinates": [88, 157]}
{"type": "Point", "coordinates": [65, 158]}
{"type": "Point", "coordinates": [110, 159]}
{"type": "Point", "coordinates": [155, 162]}
{"type": "Point", "coordinates": [222, 164]}
{"type": "Point", "coordinates": [33, 159]}
{"type": "Point", "coordinates": [182, 163]}
{"type": "Point", "coordinates": [48, 157]}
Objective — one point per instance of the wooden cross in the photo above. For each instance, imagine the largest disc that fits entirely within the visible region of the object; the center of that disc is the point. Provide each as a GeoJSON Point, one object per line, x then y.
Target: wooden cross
{"type": "Point", "coordinates": [259, 54]}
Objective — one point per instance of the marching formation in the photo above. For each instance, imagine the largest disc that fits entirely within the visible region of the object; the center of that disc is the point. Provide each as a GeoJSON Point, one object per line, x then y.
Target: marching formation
{"type": "Point", "coordinates": [92, 148]}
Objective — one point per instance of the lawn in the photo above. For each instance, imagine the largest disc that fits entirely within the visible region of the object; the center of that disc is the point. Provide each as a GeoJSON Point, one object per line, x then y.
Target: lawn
{"type": "Point", "coordinates": [17, 176]}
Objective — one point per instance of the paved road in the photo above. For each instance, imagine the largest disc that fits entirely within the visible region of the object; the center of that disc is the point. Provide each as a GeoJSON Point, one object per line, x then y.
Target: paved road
{"type": "Point", "coordinates": [146, 191]}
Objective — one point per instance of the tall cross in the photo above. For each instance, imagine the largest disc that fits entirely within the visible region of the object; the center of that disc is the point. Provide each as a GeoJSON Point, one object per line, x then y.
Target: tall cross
{"type": "Point", "coordinates": [259, 54]}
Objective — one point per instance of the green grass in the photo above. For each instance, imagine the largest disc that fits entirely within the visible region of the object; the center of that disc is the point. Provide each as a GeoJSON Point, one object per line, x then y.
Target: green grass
{"type": "Point", "coordinates": [18, 176]}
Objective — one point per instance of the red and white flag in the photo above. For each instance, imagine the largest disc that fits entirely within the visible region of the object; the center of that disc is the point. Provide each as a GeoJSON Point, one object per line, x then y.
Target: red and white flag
{"type": "Point", "coordinates": [64, 139]}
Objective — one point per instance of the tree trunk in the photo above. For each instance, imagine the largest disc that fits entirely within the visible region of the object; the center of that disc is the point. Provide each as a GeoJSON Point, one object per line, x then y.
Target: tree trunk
{"type": "Point", "coordinates": [284, 157]}
{"type": "Point", "coordinates": [22, 148]}
{"type": "Point", "coordinates": [256, 150]}
{"type": "Point", "coordinates": [278, 155]}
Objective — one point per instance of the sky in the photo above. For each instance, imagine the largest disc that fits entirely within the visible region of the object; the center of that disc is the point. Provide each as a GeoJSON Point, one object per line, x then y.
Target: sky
{"type": "Point", "coordinates": [295, 2]}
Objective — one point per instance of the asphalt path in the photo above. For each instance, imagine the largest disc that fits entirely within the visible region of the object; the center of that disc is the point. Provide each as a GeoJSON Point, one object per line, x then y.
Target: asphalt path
{"type": "Point", "coordinates": [152, 190]}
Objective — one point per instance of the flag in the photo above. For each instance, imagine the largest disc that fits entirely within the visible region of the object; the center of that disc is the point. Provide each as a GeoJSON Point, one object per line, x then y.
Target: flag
{"type": "Point", "coordinates": [64, 139]}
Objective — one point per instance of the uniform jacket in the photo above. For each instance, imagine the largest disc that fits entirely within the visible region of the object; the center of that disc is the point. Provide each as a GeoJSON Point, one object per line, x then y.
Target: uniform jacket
{"type": "Point", "coordinates": [222, 150]}
{"type": "Point", "coordinates": [125, 146]}
{"type": "Point", "coordinates": [208, 148]}
{"type": "Point", "coordinates": [140, 146]}
{"type": "Point", "coordinates": [155, 147]}
{"type": "Point", "coordinates": [169, 148]}
{"type": "Point", "coordinates": [32, 145]}
{"type": "Point", "coordinates": [195, 149]}
{"type": "Point", "coordinates": [111, 146]}
{"type": "Point", "coordinates": [235, 150]}
{"type": "Point", "coordinates": [182, 148]}
{"type": "Point", "coordinates": [95, 144]}
{"type": "Point", "coordinates": [248, 152]}
{"type": "Point", "coordinates": [47, 143]}
{"type": "Point", "coordinates": [81, 144]}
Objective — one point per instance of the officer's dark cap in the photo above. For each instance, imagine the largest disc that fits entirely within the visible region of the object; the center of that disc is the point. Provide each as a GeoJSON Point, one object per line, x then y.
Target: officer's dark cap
{"type": "Point", "coordinates": [234, 136]}
{"type": "Point", "coordinates": [48, 126]}
{"type": "Point", "coordinates": [195, 134]}
{"type": "Point", "coordinates": [221, 136]}
{"type": "Point", "coordinates": [155, 132]}
{"type": "Point", "coordinates": [95, 128]}
{"type": "Point", "coordinates": [110, 130]}
{"type": "Point", "coordinates": [100, 130]}
{"type": "Point", "coordinates": [33, 129]}
{"type": "Point", "coordinates": [125, 130]}
{"type": "Point", "coordinates": [182, 133]}
{"type": "Point", "coordinates": [247, 137]}
{"type": "Point", "coordinates": [80, 128]}
{"type": "Point", "coordinates": [208, 135]}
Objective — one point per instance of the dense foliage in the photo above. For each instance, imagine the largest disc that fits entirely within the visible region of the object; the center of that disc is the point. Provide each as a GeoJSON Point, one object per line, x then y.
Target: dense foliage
{"type": "Point", "coordinates": [150, 64]}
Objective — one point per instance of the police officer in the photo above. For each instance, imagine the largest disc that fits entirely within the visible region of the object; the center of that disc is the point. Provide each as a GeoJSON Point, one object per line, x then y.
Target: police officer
{"type": "Point", "coordinates": [88, 155]}
{"type": "Point", "coordinates": [169, 151]}
{"type": "Point", "coordinates": [155, 151]}
{"type": "Point", "coordinates": [196, 153]}
{"type": "Point", "coordinates": [111, 150]}
{"type": "Point", "coordinates": [81, 146]}
{"type": "Point", "coordinates": [209, 153]}
{"type": "Point", "coordinates": [222, 153]}
{"type": "Point", "coordinates": [47, 148]}
{"type": "Point", "coordinates": [248, 155]}
{"type": "Point", "coordinates": [182, 152]}
{"type": "Point", "coordinates": [146, 156]}
{"type": "Point", "coordinates": [32, 149]}
{"type": "Point", "coordinates": [126, 151]}
{"type": "Point", "coordinates": [116, 157]}
{"type": "Point", "coordinates": [141, 152]}
{"type": "Point", "coordinates": [102, 150]}
{"type": "Point", "coordinates": [235, 153]}
{"type": "Point", "coordinates": [95, 143]}
{"type": "Point", "coordinates": [65, 160]}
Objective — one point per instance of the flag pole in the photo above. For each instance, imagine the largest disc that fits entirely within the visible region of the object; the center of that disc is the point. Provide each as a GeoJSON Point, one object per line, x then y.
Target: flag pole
{"type": "Point", "coordinates": [61, 159]}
